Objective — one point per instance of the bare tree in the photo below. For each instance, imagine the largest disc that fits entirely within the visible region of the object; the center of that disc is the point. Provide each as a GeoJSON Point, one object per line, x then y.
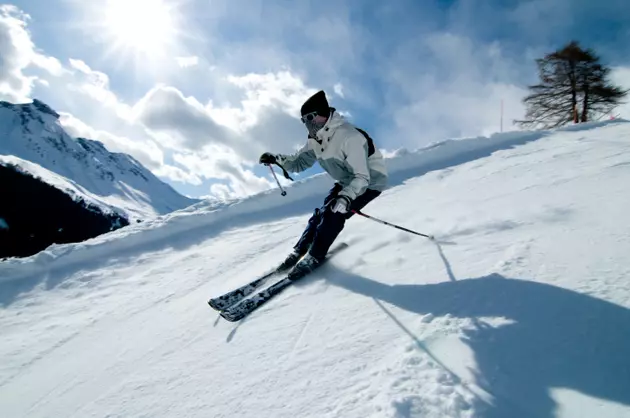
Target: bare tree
{"type": "Point", "coordinates": [574, 87]}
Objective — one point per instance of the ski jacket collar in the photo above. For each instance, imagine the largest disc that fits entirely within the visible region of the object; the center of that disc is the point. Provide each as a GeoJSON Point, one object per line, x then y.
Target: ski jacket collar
{"type": "Point", "coordinates": [328, 130]}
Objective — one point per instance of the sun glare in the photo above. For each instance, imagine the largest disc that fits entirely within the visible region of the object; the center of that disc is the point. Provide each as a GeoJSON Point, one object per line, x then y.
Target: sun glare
{"type": "Point", "coordinates": [145, 36]}
{"type": "Point", "coordinates": [145, 26]}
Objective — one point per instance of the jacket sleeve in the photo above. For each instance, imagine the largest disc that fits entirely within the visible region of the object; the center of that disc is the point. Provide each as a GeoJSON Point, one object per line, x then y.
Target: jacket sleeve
{"type": "Point", "coordinates": [355, 152]}
{"type": "Point", "coordinates": [302, 160]}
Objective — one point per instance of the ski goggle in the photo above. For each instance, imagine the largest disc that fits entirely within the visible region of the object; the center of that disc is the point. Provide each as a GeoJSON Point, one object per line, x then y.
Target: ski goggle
{"type": "Point", "coordinates": [309, 117]}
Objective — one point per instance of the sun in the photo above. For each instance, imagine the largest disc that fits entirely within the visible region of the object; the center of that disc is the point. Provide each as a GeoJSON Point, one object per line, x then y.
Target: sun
{"type": "Point", "coordinates": [143, 31]}
{"type": "Point", "coordinates": [145, 26]}
{"type": "Point", "coordinates": [145, 37]}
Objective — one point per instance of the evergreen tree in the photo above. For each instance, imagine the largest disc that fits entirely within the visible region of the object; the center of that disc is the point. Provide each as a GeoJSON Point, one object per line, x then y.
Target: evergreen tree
{"type": "Point", "coordinates": [574, 87]}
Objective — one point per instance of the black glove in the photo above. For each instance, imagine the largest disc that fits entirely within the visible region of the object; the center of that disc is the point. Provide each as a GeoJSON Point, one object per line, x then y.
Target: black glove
{"type": "Point", "coordinates": [267, 158]}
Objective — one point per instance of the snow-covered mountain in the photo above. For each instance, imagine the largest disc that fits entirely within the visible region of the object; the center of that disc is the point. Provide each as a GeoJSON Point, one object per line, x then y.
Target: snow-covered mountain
{"type": "Point", "coordinates": [520, 308]}
{"type": "Point", "coordinates": [83, 167]}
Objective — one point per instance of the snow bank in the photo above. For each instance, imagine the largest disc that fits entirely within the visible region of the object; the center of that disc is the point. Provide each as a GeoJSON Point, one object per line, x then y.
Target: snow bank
{"type": "Point", "coordinates": [209, 218]}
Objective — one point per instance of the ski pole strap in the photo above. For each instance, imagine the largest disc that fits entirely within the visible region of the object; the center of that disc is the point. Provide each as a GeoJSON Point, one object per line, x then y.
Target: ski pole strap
{"type": "Point", "coordinates": [358, 212]}
{"type": "Point", "coordinates": [283, 192]}
{"type": "Point", "coordinates": [286, 175]}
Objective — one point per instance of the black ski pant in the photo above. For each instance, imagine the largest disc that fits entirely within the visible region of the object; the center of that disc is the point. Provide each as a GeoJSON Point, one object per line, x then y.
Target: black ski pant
{"type": "Point", "coordinates": [325, 225]}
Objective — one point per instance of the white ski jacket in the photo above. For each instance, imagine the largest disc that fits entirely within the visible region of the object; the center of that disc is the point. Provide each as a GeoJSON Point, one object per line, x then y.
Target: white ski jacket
{"type": "Point", "coordinates": [346, 153]}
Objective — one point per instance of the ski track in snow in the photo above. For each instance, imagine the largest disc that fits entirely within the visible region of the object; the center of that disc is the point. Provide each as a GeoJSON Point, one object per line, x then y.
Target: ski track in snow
{"type": "Point", "coordinates": [519, 309]}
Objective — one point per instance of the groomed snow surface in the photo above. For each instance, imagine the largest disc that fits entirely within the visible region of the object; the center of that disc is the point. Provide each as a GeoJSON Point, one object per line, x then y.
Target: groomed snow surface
{"type": "Point", "coordinates": [520, 309]}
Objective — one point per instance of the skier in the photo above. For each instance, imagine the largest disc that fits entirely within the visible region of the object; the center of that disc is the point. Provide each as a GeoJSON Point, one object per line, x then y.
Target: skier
{"type": "Point", "coordinates": [349, 156]}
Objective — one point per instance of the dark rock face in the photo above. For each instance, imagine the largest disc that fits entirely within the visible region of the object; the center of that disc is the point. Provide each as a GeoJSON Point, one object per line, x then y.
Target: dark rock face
{"type": "Point", "coordinates": [34, 215]}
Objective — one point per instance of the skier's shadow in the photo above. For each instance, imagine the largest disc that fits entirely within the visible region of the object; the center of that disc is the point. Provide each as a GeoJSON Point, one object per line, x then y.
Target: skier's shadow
{"type": "Point", "coordinates": [557, 339]}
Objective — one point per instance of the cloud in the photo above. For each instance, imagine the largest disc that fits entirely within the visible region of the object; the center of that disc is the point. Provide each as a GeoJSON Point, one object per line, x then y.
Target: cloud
{"type": "Point", "coordinates": [216, 162]}
{"type": "Point", "coordinates": [244, 182]}
{"type": "Point", "coordinates": [338, 89]}
{"type": "Point", "coordinates": [457, 93]}
{"type": "Point", "coordinates": [17, 53]}
{"type": "Point", "coordinates": [147, 152]}
{"type": "Point", "coordinates": [418, 84]}
{"type": "Point", "coordinates": [220, 191]}
{"type": "Point", "coordinates": [50, 64]}
{"type": "Point", "coordinates": [317, 41]}
{"type": "Point", "coordinates": [282, 90]}
{"type": "Point", "coordinates": [560, 20]}
{"type": "Point", "coordinates": [177, 174]}
{"type": "Point", "coordinates": [185, 120]}
{"type": "Point", "coordinates": [264, 116]}
{"type": "Point", "coordinates": [268, 115]}
{"type": "Point", "coordinates": [96, 85]}
{"type": "Point", "coordinates": [185, 62]}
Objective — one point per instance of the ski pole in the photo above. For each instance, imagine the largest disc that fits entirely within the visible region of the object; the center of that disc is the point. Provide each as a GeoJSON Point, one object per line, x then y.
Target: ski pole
{"type": "Point", "coordinates": [283, 192]}
{"type": "Point", "coordinates": [358, 212]}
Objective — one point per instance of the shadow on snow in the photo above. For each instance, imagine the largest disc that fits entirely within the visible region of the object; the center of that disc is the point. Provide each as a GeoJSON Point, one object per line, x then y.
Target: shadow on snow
{"type": "Point", "coordinates": [558, 339]}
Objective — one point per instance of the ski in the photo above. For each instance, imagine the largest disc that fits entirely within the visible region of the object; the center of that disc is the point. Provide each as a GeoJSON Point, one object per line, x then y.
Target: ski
{"type": "Point", "coordinates": [240, 310]}
{"type": "Point", "coordinates": [247, 306]}
{"type": "Point", "coordinates": [232, 297]}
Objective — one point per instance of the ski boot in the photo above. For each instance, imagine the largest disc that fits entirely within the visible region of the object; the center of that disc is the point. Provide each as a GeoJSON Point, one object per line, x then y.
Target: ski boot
{"type": "Point", "coordinates": [291, 260]}
{"type": "Point", "coordinates": [304, 267]}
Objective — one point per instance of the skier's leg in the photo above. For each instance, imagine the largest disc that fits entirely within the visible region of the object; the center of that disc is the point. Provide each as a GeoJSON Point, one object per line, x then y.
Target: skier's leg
{"type": "Point", "coordinates": [361, 201]}
{"type": "Point", "coordinates": [306, 239]}
{"type": "Point", "coordinates": [332, 224]}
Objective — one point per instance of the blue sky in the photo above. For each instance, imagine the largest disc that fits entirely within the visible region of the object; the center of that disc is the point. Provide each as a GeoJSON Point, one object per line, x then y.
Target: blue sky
{"type": "Point", "coordinates": [196, 90]}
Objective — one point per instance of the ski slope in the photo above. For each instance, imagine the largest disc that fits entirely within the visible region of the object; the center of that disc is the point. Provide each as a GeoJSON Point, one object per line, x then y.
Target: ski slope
{"type": "Point", "coordinates": [521, 308]}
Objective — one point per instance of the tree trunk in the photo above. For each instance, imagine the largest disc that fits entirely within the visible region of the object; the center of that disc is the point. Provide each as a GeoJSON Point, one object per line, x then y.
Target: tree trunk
{"type": "Point", "coordinates": [574, 102]}
{"type": "Point", "coordinates": [585, 109]}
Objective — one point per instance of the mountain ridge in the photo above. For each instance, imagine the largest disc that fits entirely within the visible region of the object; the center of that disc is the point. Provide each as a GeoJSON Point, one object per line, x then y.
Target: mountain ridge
{"type": "Point", "coordinates": [32, 132]}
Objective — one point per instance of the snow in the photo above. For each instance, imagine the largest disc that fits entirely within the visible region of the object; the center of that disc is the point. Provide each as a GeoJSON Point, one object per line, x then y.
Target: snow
{"type": "Point", "coordinates": [31, 132]}
{"type": "Point", "coordinates": [521, 308]}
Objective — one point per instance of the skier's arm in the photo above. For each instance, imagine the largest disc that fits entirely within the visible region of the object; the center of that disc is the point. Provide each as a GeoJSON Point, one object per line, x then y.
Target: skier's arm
{"type": "Point", "coordinates": [355, 151]}
{"type": "Point", "coordinates": [302, 160]}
